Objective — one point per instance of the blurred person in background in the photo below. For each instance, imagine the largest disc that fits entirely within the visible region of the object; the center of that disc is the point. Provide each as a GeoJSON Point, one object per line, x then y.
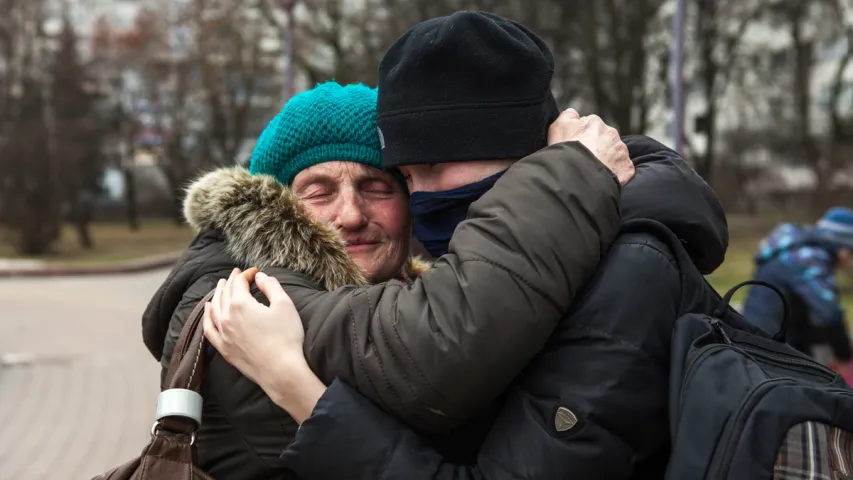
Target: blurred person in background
{"type": "Point", "coordinates": [803, 261]}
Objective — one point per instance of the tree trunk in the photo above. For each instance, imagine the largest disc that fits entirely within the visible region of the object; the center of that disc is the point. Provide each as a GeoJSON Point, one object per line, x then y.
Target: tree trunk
{"type": "Point", "coordinates": [84, 235]}
{"type": "Point", "coordinates": [81, 216]}
{"type": "Point", "coordinates": [36, 236]}
{"type": "Point", "coordinates": [803, 69]}
{"type": "Point", "coordinates": [130, 203]}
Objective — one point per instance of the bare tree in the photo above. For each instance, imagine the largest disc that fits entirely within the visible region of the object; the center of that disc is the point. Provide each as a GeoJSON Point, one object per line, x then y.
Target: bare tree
{"type": "Point", "coordinates": [613, 49]}
{"type": "Point", "coordinates": [718, 52]}
{"type": "Point", "coordinates": [29, 177]}
{"type": "Point", "coordinates": [344, 40]}
{"type": "Point", "coordinates": [115, 54]}
{"type": "Point", "coordinates": [809, 23]}
{"type": "Point", "coordinates": [201, 68]}
{"type": "Point", "coordinates": [78, 135]}
{"type": "Point", "coordinates": [608, 54]}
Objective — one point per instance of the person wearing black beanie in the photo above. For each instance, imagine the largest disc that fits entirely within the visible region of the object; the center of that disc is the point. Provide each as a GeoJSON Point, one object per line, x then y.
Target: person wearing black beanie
{"type": "Point", "coordinates": [437, 378]}
{"type": "Point", "coordinates": [469, 86]}
{"type": "Point", "coordinates": [472, 86]}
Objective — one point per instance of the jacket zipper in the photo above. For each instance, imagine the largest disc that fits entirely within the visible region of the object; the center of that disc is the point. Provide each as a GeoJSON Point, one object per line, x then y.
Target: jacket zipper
{"type": "Point", "coordinates": [721, 461]}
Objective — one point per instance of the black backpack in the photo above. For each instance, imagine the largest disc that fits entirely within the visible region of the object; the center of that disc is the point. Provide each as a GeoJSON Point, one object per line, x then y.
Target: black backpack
{"type": "Point", "coordinates": [747, 406]}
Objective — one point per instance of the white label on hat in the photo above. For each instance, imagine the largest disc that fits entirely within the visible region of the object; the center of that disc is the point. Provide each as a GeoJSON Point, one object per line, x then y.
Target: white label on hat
{"type": "Point", "coordinates": [381, 138]}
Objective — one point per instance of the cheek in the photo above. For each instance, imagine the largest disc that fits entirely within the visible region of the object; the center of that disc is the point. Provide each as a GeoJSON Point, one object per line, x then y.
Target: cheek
{"type": "Point", "coordinates": [392, 216]}
{"type": "Point", "coordinates": [320, 213]}
{"type": "Point", "coordinates": [424, 180]}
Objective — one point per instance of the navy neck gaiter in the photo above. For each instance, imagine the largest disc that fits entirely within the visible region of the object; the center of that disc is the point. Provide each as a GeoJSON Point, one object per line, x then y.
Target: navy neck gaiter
{"type": "Point", "coordinates": [436, 214]}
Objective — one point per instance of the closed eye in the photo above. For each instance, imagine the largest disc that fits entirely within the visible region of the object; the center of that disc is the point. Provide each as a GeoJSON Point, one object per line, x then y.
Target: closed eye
{"type": "Point", "coordinates": [377, 186]}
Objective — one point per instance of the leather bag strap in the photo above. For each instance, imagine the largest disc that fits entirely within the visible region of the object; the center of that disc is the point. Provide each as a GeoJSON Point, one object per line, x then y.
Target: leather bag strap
{"type": "Point", "coordinates": [186, 367]}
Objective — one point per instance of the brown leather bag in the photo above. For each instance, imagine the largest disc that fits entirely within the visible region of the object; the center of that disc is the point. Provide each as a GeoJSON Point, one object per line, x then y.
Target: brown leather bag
{"type": "Point", "coordinates": [171, 455]}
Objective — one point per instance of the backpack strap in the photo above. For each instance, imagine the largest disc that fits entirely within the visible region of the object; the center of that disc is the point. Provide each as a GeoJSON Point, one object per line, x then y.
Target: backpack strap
{"type": "Point", "coordinates": [786, 315]}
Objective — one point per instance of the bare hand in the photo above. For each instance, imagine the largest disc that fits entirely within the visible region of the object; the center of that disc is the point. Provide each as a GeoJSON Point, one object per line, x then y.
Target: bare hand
{"type": "Point", "coordinates": [259, 341]}
{"type": "Point", "coordinates": [602, 140]}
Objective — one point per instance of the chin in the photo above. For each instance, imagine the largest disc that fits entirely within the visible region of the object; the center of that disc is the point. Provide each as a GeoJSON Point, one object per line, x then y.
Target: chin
{"type": "Point", "coordinates": [378, 265]}
{"type": "Point", "coordinates": [368, 267]}
{"type": "Point", "coordinates": [376, 275]}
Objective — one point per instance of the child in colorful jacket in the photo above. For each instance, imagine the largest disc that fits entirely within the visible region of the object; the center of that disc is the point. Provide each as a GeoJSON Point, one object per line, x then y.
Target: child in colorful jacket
{"type": "Point", "coordinates": [802, 262]}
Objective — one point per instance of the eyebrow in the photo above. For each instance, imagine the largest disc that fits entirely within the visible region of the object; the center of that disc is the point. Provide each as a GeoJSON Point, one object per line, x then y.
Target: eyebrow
{"type": "Point", "coordinates": [317, 177]}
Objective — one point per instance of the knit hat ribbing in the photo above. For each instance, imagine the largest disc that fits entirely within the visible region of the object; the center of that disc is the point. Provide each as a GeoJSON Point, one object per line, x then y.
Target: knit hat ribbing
{"type": "Point", "coordinates": [837, 226]}
{"type": "Point", "coordinates": [327, 123]}
{"type": "Point", "coordinates": [469, 86]}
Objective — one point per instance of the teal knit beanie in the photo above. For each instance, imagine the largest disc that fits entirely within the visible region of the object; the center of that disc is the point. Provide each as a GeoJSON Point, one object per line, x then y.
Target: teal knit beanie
{"type": "Point", "coordinates": [328, 123]}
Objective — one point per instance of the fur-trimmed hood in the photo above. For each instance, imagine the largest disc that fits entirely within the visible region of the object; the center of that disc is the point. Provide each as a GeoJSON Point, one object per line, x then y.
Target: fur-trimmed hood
{"type": "Point", "coordinates": [265, 226]}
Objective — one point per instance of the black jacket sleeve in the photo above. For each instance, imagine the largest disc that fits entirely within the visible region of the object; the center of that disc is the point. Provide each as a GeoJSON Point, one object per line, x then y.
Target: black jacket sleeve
{"type": "Point", "coordinates": [606, 363]}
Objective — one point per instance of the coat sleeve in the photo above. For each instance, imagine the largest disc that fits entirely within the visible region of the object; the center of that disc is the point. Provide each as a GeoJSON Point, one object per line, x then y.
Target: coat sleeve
{"type": "Point", "coordinates": [433, 351]}
{"type": "Point", "coordinates": [617, 388]}
{"type": "Point", "coordinates": [817, 287]}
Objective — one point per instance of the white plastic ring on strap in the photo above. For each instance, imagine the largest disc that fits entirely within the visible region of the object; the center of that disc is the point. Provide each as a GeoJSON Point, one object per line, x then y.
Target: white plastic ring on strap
{"type": "Point", "coordinates": [178, 402]}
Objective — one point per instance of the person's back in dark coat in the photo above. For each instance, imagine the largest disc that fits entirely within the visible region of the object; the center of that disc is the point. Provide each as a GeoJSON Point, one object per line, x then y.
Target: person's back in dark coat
{"type": "Point", "coordinates": [594, 403]}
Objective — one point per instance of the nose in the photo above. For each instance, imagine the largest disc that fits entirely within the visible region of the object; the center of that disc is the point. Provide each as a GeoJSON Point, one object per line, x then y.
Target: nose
{"type": "Point", "coordinates": [351, 214]}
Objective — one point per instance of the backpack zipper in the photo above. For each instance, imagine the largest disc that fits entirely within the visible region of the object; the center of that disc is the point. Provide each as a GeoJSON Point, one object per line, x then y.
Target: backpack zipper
{"type": "Point", "coordinates": [718, 327]}
{"type": "Point", "coordinates": [786, 360]}
{"type": "Point", "coordinates": [721, 460]}
{"type": "Point", "coordinates": [791, 361]}
{"type": "Point", "coordinates": [702, 353]}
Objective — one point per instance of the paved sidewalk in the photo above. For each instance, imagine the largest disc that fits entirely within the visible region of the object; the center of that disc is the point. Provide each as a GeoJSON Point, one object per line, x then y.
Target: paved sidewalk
{"type": "Point", "coordinates": [36, 268]}
{"type": "Point", "coordinates": [77, 386]}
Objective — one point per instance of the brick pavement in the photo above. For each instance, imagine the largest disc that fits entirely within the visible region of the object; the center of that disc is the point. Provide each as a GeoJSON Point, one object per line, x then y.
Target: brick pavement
{"type": "Point", "coordinates": [78, 391]}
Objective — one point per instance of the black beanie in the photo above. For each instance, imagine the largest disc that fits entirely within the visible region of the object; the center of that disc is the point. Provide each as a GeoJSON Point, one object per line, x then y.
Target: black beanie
{"type": "Point", "coordinates": [469, 86]}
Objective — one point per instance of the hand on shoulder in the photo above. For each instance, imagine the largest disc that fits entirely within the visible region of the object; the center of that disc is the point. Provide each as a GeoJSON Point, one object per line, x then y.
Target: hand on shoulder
{"type": "Point", "coordinates": [601, 139]}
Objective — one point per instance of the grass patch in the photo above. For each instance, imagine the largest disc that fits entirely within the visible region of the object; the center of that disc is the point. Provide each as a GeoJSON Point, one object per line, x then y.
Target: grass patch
{"type": "Point", "coordinates": [114, 242]}
{"type": "Point", "coordinates": [745, 234]}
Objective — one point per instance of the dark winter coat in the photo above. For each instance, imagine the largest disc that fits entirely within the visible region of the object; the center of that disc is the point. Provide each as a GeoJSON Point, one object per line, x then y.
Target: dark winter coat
{"type": "Point", "coordinates": [432, 351]}
{"type": "Point", "coordinates": [593, 403]}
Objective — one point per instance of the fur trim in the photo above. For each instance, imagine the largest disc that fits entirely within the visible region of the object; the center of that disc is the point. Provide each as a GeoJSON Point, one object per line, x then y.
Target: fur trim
{"type": "Point", "coordinates": [266, 227]}
{"type": "Point", "coordinates": [415, 267]}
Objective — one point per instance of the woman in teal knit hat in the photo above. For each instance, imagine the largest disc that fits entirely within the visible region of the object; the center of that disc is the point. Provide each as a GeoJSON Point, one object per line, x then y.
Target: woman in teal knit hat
{"type": "Point", "coordinates": [324, 144]}
{"type": "Point", "coordinates": [328, 123]}
{"type": "Point", "coordinates": [314, 199]}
